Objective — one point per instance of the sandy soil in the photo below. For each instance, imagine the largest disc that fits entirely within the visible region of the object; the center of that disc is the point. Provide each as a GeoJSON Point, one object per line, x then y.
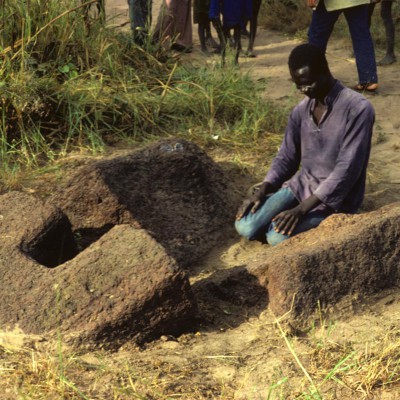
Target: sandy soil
{"type": "Point", "coordinates": [241, 353]}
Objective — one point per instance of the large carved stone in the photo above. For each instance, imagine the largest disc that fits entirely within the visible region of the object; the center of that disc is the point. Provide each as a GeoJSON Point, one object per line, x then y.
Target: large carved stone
{"type": "Point", "coordinates": [345, 255]}
{"type": "Point", "coordinates": [171, 188]}
{"type": "Point", "coordinates": [99, 259]}
{"type": "Point", "coordinates": [124, 286]}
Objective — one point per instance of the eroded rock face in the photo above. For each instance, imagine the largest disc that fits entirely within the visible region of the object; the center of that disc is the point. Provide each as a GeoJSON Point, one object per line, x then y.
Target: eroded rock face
{"type": "Point", "coordinates": [124, 286]}
{"type": "Point", "coordinates": [101, 260]}
{"type": "Point", "coordinates": [345, 255]}
{"type": "Point", "coordinates": [41, 232]}
{"type": "Point", "coordinates": [172, 189]}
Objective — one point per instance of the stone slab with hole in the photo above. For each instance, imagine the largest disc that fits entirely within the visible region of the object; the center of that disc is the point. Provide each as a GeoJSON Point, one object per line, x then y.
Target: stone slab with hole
{"type": "Point", "coordinates": [124, 286]}
{"type": "Point", "coordinates": [171, 188]}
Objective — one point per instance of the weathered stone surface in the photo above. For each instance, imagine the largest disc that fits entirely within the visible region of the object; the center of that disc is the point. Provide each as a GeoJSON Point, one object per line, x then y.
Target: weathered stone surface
{"type": "Point", "coordinates": [172, 189]}
{"type": "Point", "coordinates": [345, 255]}
{"type": "Point", "coordinates": [43, 232]}
{"type": "Point", "coordinates": [123, 286]}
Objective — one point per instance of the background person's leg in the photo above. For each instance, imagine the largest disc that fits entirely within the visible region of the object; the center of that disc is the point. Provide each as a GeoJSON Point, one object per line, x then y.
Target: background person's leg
{"type": "Point", "coordinates": [237, 42]}
{"type": "Point", "coordinates": [371, 8]}
{"type": "Point", "coordinates": [321, 26]}
{"type": "Point", "coordinates": [221, 36]}
{"type": "Point", "coordinates": [140, 16]}
{"type": "Point", "coordinates": [202, 35]}
{"type": "Point", "coordinates": [210, 41]}
{"type": "Point", "coordinates": [357, 20]}
{"type": "Point", "coordinates": [253, 27]}
{"type": "Point", "coordinates": [387, 18]}
{"type": "Point", "coordinates": [253, 226]}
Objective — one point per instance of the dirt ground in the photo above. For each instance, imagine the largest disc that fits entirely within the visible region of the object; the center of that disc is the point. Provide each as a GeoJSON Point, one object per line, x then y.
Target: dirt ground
{"type": "Point", "coordinates": [240, 352]}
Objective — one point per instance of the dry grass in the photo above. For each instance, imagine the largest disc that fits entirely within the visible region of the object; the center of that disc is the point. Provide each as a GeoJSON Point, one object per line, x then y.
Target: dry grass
{"type": "Point", "coordinates": [30, 373]}
{"type": "Point", "coordinates": [33, 368]}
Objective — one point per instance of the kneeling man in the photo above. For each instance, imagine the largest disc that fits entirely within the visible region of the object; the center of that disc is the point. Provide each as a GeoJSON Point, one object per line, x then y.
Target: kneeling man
{"type": "Point", "coordinates": [322, 162]}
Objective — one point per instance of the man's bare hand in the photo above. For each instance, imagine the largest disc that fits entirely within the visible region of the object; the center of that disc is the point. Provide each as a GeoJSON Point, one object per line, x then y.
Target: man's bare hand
{"type": "Point", "coordinates": [286, 221]}
{"type": "Point", "coordinates": [252, 204]}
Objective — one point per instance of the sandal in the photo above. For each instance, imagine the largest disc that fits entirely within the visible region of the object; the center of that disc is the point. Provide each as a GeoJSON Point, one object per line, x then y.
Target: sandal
{"type": "Point", "coordinates": [366, 87]}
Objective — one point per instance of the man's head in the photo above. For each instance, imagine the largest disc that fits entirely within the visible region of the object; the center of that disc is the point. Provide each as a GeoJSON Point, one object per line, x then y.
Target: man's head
{"type": "Point", "coordinates": [310, 71]}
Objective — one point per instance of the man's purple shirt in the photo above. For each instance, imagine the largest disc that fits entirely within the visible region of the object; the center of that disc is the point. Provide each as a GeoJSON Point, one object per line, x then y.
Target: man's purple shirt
{"type": "Point", "coordinates": [332, 155]}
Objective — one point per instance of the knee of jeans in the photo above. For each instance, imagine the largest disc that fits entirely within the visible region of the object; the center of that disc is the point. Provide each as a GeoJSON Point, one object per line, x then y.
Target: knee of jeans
{"type": "Point", "coordinates": [274, 238]}
{"type": "Point", "coordinates": [245, 229]}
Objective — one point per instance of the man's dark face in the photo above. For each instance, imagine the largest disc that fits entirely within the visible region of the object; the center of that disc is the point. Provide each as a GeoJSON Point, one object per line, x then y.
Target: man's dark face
{"type": "Point", "coordinates": [306, 81]}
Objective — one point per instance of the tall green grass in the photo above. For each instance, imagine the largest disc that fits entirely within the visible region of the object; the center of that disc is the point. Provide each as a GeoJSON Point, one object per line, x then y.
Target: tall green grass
{"type": "Point", "coordinates": [68, 83]}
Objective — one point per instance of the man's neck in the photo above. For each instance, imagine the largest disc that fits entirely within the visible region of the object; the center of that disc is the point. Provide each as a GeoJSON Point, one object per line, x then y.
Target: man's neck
{"type": "Point", "coordinates": [327, 88]}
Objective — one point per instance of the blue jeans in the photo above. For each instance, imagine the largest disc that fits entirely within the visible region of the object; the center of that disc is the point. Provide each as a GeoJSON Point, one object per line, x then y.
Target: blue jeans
{"type": "Point", "coordinates": [251, 226]}
{"type": "Point", "coordinates": [321, 27]}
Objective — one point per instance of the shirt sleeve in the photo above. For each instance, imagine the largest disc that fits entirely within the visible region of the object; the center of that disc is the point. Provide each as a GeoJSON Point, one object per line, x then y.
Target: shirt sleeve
{"type": "Point", "coordinates": [287, 161]}
{"type": "Point", "coordinates": [352, 159]}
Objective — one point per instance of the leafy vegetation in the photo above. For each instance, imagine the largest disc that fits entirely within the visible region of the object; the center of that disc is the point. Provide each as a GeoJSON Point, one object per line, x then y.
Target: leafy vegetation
{"type": "Point", "coordinates": [69, 83]}
{"type": "Point", "coordinates": [288, 16]}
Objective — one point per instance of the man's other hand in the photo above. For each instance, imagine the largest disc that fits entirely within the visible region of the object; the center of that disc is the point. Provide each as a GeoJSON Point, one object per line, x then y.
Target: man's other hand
{"type": "Point", "coordinates": [286, 221]}
{"type": "Point", "coordinates": [253, 203]}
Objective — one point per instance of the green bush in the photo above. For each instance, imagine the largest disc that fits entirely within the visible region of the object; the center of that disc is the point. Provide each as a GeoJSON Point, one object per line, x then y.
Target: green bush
{"type": "Point", "coordinates": [68, 83]}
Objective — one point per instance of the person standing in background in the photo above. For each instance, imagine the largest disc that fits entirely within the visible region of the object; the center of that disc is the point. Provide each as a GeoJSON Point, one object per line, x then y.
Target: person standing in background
{"type": "Point", "coordinates": [234, 14]}
{"type": "Point", "coordinates": [140, 16]}
{"type": "Point", "coordinates": [201, 10]}
{"type": "Point", "coordinates": [174, 25]}
{"type": "Point", "coordinates": [325, 15]}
